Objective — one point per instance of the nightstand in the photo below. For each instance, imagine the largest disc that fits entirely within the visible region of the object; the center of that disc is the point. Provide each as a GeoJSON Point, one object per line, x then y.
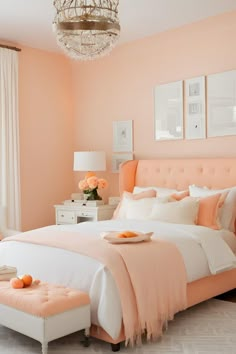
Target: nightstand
{"type": "Point", "coordinates": [74, 214]}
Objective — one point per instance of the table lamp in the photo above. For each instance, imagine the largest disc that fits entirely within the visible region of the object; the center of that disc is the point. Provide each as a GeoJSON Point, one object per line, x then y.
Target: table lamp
{"type": "Point", "coordinates": [89, 161]}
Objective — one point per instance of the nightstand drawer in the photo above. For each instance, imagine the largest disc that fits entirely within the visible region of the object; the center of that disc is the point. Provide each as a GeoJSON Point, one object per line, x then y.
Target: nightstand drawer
{"type": "Point", "coordinates": [66, 217]}
{"type": "Point", "coordinates": [86, 213]}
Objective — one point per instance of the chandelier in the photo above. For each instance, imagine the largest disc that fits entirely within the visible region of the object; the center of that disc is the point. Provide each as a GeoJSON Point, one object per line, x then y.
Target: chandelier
{"type": "Point", "coordinates": [86, 29]}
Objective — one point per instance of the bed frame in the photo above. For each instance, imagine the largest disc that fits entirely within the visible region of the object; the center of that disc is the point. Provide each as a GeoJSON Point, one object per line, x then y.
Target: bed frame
{"type": "Point", "coordinates": [179, 174]}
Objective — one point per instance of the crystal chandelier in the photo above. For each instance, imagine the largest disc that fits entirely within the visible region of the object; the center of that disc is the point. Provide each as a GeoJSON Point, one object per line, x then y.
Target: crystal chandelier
{"type": "Point", "coordinates": [86, 29]}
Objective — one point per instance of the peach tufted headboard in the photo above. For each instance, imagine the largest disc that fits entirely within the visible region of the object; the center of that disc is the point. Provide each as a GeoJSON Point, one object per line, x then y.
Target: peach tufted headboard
{"type": "Point", "coordinates": [178, 173]}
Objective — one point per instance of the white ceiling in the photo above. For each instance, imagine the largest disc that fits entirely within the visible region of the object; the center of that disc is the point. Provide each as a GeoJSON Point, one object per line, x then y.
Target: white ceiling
{"type": "Point", "coordinates": [28, 22]}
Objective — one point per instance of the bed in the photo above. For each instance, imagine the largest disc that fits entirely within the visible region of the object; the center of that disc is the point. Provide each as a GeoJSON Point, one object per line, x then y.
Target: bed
{"type": "Point", "coordinates": [64, 266]}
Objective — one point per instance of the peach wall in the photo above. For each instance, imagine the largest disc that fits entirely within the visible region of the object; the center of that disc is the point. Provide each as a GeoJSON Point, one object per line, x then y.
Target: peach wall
{"type": "Point", "coordinates": [120, 87]}
{"type": "Point", "coordinates": [46, 115]}
{"type": "Point", "coordinates": [67, 105]}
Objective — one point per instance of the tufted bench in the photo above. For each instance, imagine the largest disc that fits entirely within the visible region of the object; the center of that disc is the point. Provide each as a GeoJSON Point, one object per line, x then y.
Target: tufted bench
{"type": "Point", "coordinates": [44, 312]}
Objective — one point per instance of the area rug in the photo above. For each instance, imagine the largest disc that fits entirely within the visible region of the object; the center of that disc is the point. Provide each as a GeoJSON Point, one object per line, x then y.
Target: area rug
{"type": "Point", "coordinates": [209, 327]}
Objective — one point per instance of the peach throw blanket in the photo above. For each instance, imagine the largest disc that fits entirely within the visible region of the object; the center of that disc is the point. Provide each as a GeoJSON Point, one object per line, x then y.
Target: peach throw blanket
{"type": "Point", "coordinates": [150, 276]}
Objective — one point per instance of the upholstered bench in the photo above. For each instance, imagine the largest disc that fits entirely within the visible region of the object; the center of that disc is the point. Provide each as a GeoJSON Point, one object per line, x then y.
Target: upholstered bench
{"type": "Point", "coordinates": [44, 312]}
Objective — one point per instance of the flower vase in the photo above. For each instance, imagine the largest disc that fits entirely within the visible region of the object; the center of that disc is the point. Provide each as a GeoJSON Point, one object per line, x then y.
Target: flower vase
{"type": "Point", "coordinates": [92, 195]}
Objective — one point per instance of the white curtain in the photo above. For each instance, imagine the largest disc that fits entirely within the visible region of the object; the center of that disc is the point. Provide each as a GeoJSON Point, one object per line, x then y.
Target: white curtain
{"type": "Point", "coordinates": [10, 215]}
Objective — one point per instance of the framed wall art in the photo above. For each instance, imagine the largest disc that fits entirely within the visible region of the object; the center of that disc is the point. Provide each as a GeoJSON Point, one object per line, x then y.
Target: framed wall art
{"type": "Point", "coordinates": [221, 104]}
{"type": "Point", "coordinates": [195, 108]}
{"type": "Point", "coordinates": [123, 136]}
{"type": "Point", "coordinates": [168, 99]}
{"type": "Point", "coordinates": [117, 159]}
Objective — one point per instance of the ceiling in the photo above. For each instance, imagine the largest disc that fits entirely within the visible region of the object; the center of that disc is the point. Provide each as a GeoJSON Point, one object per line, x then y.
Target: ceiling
{"type": "Point", "coordinates": [29, 22]}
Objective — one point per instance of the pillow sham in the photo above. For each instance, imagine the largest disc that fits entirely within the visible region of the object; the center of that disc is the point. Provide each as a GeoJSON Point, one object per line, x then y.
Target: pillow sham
{"type": "Point", "coordinates": [139, 209]}
{"type": "Point", "coordinates": [179, 212]}
{"type": "Point", "coordinates": [161, 192]}
{"type": "Point", "coordinates": [208, 213]}
{"type": "Point", "coordinates": [121, 209]}
{"type": "Point", "coordinates": [227, 214]}
{"type": "Point", "coordinates": [180, 195]}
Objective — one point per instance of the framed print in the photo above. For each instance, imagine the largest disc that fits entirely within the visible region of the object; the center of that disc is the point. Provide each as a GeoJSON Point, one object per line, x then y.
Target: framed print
{"type": "Point", "coordinates": [117, 159]}
{"type": "Point", "coordinates": [195, 108]}
{"type": "Point", "coordinates": [123, 136]}
{"type": "Point", "coordinates": [168, 100]}
{"type": "Point", "coordinates": [221, 104]}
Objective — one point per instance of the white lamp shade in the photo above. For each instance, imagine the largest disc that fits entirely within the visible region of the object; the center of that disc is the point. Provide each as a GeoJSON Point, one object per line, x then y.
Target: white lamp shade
{"type": "Point", "coordinates": [89, 161]}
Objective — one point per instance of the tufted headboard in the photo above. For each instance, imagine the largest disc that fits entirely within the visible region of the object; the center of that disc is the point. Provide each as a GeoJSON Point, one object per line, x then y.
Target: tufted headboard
{"type": "Point", "coordinates": [178, 173]}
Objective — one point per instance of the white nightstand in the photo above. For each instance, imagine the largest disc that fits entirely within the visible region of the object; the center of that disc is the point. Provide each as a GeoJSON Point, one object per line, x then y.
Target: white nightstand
{"type": "Point", "coordinates": [74, 214]}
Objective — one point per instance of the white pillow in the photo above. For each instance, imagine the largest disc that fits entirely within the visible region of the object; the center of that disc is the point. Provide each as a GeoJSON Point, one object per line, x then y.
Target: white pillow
{"type": "Point", "coordinates": [181, 212]}
{"type": "Point", "coordinates": [120, 211]}
{"type": "Point", "coordinates": [196, 191]}
{"type": "Point", "coordinates": [161, 192]}
{"type": "Point", "coordinates": [227, 213]}
{"type": "Point", "coordinates": [139, 209]}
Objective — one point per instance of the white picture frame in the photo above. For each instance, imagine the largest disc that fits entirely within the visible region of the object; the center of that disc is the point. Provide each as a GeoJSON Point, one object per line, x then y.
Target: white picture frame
{"type": "Point", "coordinates": [123, 136]}
{"type": "Point", "coordinates": [221, 104]}
{"type": "Point", "coordinates": [168, 100]}
{"type": "Point", "coordinates": [195, 108]}
{"type": "Point", "coordinates": [118, 159]}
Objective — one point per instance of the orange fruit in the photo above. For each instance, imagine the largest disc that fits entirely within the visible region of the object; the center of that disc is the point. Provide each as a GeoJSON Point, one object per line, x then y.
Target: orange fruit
{"type": "Point", "coordinates": [27, 280]}
{"type": "Point", "coordinates": [127, 234]}
{"type": "Point", "coordinates": [130, 234]}
{"type": "Point", "coordinates": [121, 235]}
{"type": "Point", "coordinates": [16, 283]}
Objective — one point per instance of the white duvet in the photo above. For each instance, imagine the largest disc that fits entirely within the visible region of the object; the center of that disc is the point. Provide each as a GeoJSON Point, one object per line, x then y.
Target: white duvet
{"type": "Point", "coordinates": [204, 252]}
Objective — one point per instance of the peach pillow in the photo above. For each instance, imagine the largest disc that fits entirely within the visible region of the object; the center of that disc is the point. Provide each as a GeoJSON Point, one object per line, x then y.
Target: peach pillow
{"type": "Point", "coordinates": [120, 209]}
{"type": "Point", "coordinates": [181, 195]}
{"type": "Point", "coordinates": [228, 211]}
{"type": "Point", "coordinates": [208, 213]}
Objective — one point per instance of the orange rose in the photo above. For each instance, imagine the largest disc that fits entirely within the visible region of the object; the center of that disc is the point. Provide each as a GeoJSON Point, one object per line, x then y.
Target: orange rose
{"type": "Point", "coordinates": [102, 183]}
{"type": "Point", "coordinates": [92, 182]}
{"type": "Point", "coordinates": [83, 185]}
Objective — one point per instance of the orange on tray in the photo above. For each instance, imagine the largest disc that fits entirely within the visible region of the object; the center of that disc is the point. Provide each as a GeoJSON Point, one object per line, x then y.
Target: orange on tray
{"type": "Point", "coordinates": [27, 280]}
{"type": "Point", "coordinates": [127, 234]}
{"type": "Point", "coordinates": [16, 283]}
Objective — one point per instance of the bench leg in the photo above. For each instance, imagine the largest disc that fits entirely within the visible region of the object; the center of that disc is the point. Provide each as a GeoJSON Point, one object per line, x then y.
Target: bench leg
{"type": "Point", "coordinates": [115, 347]}
{"type": "Point", "coordinates": [87, 332]}
{"type": "Point", "coordinates": [44, 348]}
{"type": "Point", "coordinates": [86, 341]}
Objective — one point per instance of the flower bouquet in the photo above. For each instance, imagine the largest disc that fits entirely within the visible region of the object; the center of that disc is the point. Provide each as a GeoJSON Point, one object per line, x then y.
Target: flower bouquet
{"type": "Point", "coordinates": [90, 186]}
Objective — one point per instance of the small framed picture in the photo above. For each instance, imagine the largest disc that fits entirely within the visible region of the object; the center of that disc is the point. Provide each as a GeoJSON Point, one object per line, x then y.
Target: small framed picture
{"type": "Point", "coordinates": [168, 101]}
{"type": "Point", "coordinates": [118, 159]}
{"type": "Point", "coordinates": [123, 136]}
{"type": "Point", "coordinates": [221, 105]}
{"type": "Point", "coordinates": [195, 108]}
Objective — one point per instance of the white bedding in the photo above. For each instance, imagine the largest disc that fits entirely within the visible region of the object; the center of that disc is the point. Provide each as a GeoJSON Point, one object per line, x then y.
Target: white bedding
{"type": "Point", "coordinates": [204, 251]}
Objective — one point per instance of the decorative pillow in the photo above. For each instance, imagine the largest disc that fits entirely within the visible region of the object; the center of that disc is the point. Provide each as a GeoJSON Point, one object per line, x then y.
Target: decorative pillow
{"type": "Point", "coordinates": [208, 213]}
{"type": "Point", "coordinates": [161, 192]}
{"type": "Point", "coordinates": [121, 209]}
{"type": "Point", "coordinates": [139, 209]}
{"type": "Point", "coordinates": [196, 191]}
{"type": "Point", "coordinates": [180, 195]}
{"type": "Point", "coordinates": [228, 211]}
{"type": "Point", "coordinates": [180, 212]}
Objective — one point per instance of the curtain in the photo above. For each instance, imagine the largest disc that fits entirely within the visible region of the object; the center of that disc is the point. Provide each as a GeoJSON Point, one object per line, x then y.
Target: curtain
{"type": "Point", "coordinates": [10, 217]}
